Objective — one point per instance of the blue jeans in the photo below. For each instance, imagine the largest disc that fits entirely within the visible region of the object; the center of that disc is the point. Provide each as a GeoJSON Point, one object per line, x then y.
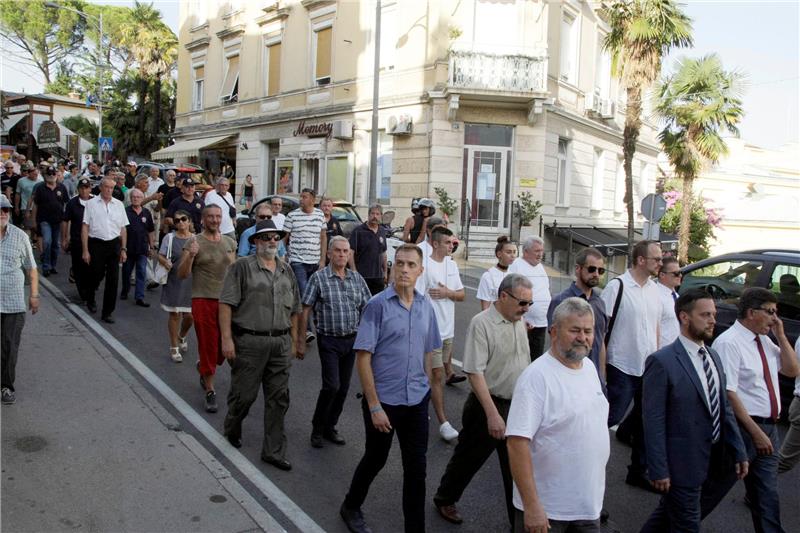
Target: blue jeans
{"type": "Point", "coordinates": [303, 272]}
{"type": "Point", "coordinates": [51, 242]}
{"type": "Point", "coordinates": [622, 389]}
{"type": "Point", "coordinates": [140, 263]}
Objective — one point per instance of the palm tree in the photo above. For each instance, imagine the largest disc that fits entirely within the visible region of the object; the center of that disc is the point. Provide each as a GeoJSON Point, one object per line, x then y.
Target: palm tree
{"type": "Point", "coordinates": [698, 103]}
{"type": "Point", "coordinates": [642, 33]}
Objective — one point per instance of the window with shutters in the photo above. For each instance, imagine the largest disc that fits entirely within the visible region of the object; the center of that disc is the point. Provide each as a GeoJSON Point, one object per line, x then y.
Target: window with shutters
{"type": "Point", "coordinates": [230, 84]}
{"type": "Point", "coordinates": [198, 75]}
{"type": "Point", "coordinates": [562, 181]}
{"type": "Point", "coordinates": [272, 67]}
{"type": "Point", "coordinates": [322, 55]}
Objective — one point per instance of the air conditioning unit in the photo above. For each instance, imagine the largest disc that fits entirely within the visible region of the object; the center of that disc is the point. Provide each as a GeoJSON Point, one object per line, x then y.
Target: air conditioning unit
{"type": "Point", "coordinates": [399, 125]}
{"type": "Point", "coordinates": [342, 129]}
{"type": "Point", "coordinates": [592, 103]}
{"type": "Point", "coordinates": [607, 108]}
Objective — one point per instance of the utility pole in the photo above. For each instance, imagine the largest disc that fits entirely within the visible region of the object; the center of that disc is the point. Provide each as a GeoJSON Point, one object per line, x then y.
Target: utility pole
{"type": "Point", "coordinates": [100, 88]}
{"type": "Point", "coordinates": [373, 158]}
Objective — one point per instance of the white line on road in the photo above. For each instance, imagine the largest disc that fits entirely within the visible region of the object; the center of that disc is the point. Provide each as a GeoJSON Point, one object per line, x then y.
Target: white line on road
{"type": "Point", "coordinates": [275, 495]}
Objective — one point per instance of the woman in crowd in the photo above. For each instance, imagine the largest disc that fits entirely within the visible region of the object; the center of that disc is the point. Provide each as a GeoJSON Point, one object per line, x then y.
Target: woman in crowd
{"type": "Point", "coordinates": [247, 193]}
{"type": "Point", "coordinates": [506, 252]}
{"type": "Point", "coordinates": [176, 294]}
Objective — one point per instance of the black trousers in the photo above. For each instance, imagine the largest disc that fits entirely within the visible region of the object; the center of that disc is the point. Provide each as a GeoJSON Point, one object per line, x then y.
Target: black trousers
{"type": "Point", "coordinates": [474, 447]}
{"type": "Point", "coordinates": [11, 325]}
{"type": "Point", "coordinates": [104, 264]}
{"type": "Point", "coordinates": [375, 285]}
{"type": "Point", "coordinates": [411, 424]}
{"type": "Point", "coordinates": [336, 358]}
{"type": "Point", "coordinates": [80, 270]}
{"type": "Point", "coordinates": [536, 338]}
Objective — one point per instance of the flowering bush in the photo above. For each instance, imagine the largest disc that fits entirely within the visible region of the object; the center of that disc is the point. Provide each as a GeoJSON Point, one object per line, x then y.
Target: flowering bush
{"type": "Point", "coordinates": [704, 220]}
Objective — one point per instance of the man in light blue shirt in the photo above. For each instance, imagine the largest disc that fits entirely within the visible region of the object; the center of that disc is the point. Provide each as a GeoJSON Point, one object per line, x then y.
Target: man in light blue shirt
{"type": "Point", "coordinates": [396, 337]}
{"type": "Point", "coordinates": [245, 247]}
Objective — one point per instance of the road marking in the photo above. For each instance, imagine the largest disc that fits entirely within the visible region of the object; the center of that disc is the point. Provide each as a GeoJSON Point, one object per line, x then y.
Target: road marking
{"type": "Point", "coordinates": [275, 495]}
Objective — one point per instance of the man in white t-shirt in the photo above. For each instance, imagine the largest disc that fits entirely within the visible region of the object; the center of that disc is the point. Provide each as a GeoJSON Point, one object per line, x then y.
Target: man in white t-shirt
{"type": "Point", "coordinates": [432, 223]}
{"type": "Point", "coordinates": [556, 435]}
{"type": "Point", "coordinates": [441, 282]}
{"type": "Point", "coordinates": [669, 279]}
{"type": "Point", "coordinates": [276, 203]}
{"type": "Point", "coordinates": [222, 198]}
{"type": "Point", "coordinates": [530, 265]}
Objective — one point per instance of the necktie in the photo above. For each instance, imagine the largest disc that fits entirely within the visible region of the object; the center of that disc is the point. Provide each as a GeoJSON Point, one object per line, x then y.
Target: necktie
{"type": "Point", "coordinates": [674, 296]}
{"type": "Point", "coordinates": [773, 400]}
{"type": "Point", "coordinates": [713, 397]}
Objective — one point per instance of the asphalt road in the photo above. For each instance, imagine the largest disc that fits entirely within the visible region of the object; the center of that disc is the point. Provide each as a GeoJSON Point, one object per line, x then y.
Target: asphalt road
{"type": "Point", "coordinates": [321, 477]}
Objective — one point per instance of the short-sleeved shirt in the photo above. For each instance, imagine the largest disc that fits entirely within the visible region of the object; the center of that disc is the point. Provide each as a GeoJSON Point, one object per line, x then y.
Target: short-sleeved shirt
{"type": "Point", "coordinates": [445, 273]}
{"type": "Point", "coordinates": [140, 225]}
{"type": "Point", "coordinates": [333, 228]}
{"type": "Point", "coordinates": [563, 412]}
{"type": "Point", "coordinates": [170, 195]}
{"type": "Point", "coordinates": [670, 327]}
{"type": "Point", "coordinates": [71, 184]}
{"type": "Point", "coordinates": [50, 203]}
{"type": "Point", "coordinates": [635, 334]}
{"type": "Point", "coordinates": [105, 220]}
{"type": "Point", "coordinates": [744, 370]}
{"type": "Point", "coordinates": [73, 213]}
{"type": "Point", "coordinates": [210, 265]}
{"type": "Point", "coordinates": [337, 302]}
{"type": "Point", "coordinates": [261, 300]}
{"type": "Point", "coordinates": [246, 248]}
{"type": "Point", "coordinates": [9, 181]}
{"type": "Point", "coordinates": [498, 349]}
{"type": "Point", "coordinates": [165, 189]}
{"type": "Point", "coordinates": [194, 208]}
{"type": "Point", "coordinates": [368, 246]}
{"type": "Point", "coordinates": [490, 282]}
{"type": "Point", "coordinates": [16, 255]}
{"type": "Point", "coordinates": [398, 339]}
{"type": "Point", "coordinates": [536, 315]}
{"type": "Point", "coordinates": [304, 235]}
{"type": "Point", "coordinates": [25, 190]}
{"type": "Point", "coordinates": [176, 292]}
{"type": "Point", "coordinates": [225, 204]}
{"type": "Point", "coordinates": [600, 318]}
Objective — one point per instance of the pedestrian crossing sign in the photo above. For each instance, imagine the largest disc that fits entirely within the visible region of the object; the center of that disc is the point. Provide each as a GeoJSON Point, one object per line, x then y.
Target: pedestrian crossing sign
{"type": "Point", "coordinates": [106, 144]}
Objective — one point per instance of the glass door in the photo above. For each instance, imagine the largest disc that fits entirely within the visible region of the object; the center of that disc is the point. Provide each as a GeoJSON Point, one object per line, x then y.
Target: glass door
{"type": "Point", "coordinates": [486, 185]}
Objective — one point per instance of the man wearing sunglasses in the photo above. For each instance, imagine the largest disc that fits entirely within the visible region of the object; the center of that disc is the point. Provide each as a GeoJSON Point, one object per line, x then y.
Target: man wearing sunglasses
{"type": "Point", "coordinates": [752, 362]}
{"type": "Point", "coordinates": [589, 270]}
{"type": "Point", "coordinates": [669, 279]}
{"type": "Point", "coordinates": [246, 247]}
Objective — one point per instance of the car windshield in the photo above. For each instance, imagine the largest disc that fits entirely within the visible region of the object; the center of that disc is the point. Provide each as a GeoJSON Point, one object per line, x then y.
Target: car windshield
{"type": "Point", "coordinates": [344, 214]}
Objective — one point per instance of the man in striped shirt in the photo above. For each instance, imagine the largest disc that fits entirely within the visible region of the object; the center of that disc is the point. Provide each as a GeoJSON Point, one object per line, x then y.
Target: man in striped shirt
{"type": "Point", "coordinates": [306, 239]}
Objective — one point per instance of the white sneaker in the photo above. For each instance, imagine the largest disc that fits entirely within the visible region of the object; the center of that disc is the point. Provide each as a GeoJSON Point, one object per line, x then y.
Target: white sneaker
{"type": "Point", "coordinates": [448, 432]}
{"type": "Point", "coordinates": [183, 344]}
{"type": "Point", "coordinates": [175, 354]}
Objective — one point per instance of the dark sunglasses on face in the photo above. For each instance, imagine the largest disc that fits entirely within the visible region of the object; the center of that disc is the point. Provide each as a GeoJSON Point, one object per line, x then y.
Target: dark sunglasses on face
{"type": "Point", "coordinates": [181, 219]}
{"type": "Point", "coordinates": [268, 237]}
{"type": "Point", "coordinates": [676, 274]}
{"type": "Point", "coordinates": [770, 312]}
{"type": "Point", "coordinates": [522, 303]}
{"type": "Point", "coordinates": [593, 269]}
{"type": "Point", "coordinates": [5, 209]}
{"type": "Point", "coordinates": [263, 217]}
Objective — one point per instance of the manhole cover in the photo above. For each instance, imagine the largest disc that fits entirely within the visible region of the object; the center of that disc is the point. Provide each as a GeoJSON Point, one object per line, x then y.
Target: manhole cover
{"type": "Point", "coordinates": [30, 444]}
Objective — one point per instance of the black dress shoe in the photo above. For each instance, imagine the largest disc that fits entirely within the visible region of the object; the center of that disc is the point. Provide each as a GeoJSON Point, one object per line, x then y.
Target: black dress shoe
{"type": "Point", "coordinates": [123, 296]}
{"type": "Point", "coordinates": [281, 464]}
{"type": "Point", "coordinates": [354, 520]}
{"type": "Point", "coordinates": [316, 440]}
{"type": "Point", "coordinates": [46, 273]}
{"type": "Point", "coordinates": [142, 303]}
{"type": "Point", "coordinates": [108, 319]}
{"type": "Point", "coordinates": [236, 442]}
{"type": "Point", "coordinates": [53, 271]}
{"type": "Point", "coordinates": [91, 306]}
{"type": "Point", "coordinates": [333, 436]}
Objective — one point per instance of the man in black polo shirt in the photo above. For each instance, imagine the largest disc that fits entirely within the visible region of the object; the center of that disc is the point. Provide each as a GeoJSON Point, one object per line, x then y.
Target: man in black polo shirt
{"type": "Point", "coordinates": [49, 200]}
{"type": "Point", "coordinates": [188, 202]}
{"type": "Point", "coordinates": [368, 242]}
{"type": "Point", "coordinates": [141, 241]}
{"type": "Point", "coordinates": [71, 235]}
{"type": "Point", "coordinates": [8, 181]}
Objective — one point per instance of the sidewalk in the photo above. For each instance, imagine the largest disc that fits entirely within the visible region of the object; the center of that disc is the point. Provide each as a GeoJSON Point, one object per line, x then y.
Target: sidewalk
{"type": "Point", "coordinates": [87, 448]}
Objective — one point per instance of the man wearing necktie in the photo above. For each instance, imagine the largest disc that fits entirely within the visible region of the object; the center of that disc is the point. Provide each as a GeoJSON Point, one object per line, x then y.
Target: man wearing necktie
{"type": "Point", "coordinates": [752, 361]}
{"type": "Point", "coordinates": [689, 462]}
{"type": "Point", "coordinates": [669, 279]}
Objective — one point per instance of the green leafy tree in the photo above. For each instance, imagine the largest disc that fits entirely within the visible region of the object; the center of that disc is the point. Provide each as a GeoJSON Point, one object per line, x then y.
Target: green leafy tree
{"type": "Point", "coordinates": [447, 205]}
{"type": "Point", "coordinates": [40, 35]}
{"type": "Point", "coordinates": [642, 33]}
{"type": "Point", "coordinates": [63, 83]}
{"type": "Point", "coordinates": [703, 221]}
{"type": "Point", "coordinates": [698, 102]}
{"type": "Point", "coordinates": [529, 208]}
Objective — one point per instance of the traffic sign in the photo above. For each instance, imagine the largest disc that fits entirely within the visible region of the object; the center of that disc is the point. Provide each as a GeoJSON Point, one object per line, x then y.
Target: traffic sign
{"type": "Point", "coordinates": [106, 144]}
{"type": "Point", "coordinates": [653, 207]}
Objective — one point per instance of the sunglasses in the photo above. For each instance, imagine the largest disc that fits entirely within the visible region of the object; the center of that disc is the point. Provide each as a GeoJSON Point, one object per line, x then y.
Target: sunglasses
{"type": "Point", "coordinates": [263, 217]}
{"type": "Point", "coordinates": [593, 269]}
{"type": "Point", "coordinates": [268, 237]}
{"type": "Point", "coordinates": [181, 219]}
{"type": "Point", "coordinates": [522, 303]}
{"type": "Point", "coordinates": [5, 209]}
{"type": "Point", "coordinates": [770, 312]}
{"type": "Point", "coordinates": [676, 274]}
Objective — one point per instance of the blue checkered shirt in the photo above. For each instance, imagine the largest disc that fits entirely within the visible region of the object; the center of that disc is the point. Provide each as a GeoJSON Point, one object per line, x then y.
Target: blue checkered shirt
{"type": "Point", "coordinates": [337, 302]}
{"type": "Point", "coordinates": [15, 255]}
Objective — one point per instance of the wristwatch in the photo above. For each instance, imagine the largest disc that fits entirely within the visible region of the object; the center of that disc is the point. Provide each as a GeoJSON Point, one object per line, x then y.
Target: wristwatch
{"type": "Point", "coordinates": [123, 249]}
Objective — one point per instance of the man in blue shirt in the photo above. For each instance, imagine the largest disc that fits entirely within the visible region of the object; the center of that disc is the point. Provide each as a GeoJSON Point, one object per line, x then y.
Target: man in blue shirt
{"type": "Point", "coordinates": [245, 247]}
{"type": "Point", "coordinates": [396, 337]}
{"type": "Point", "coordinates": [589, 269]}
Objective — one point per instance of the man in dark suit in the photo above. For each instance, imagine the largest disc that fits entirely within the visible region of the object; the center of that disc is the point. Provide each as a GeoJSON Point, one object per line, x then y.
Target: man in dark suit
{"type": "Point", "coordinates": [690, 433]}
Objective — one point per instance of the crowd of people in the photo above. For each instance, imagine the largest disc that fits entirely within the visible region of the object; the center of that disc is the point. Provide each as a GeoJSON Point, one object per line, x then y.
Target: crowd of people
{"type": "Point", "coordinates": [699, 415]}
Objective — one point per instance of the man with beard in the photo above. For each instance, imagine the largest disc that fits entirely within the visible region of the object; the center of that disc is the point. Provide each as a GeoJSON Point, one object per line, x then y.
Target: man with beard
{"type": "Point", "coordinates": [589, 269]}
{"type": "Point", "coordinates": [71, 236]}
{"type": "Point", "coordinates": [556, 434]}
{"type": "Point", "coordinates": [206, 258]}
{"type": "Point", "coordinates": [259, 307]}
{"type": "Point", "coordinates": [686, 381]}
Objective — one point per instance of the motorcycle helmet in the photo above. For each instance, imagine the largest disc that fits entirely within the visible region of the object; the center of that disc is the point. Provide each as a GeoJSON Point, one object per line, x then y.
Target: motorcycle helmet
{"type": "Point", "coordinates": [427, 202]}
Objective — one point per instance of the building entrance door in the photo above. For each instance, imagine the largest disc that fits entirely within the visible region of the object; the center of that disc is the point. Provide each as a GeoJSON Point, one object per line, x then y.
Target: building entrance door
{"type": "Point", "coordinates": [487, 174]}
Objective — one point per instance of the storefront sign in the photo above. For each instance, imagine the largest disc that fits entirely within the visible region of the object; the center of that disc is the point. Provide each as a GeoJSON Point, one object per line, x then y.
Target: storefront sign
{"type": "Point", "coordinates": [48, 133]}
{"type": "Point", "coordinates": [323, 129]}
{"type": "Point", "coordinates": [527, 182]}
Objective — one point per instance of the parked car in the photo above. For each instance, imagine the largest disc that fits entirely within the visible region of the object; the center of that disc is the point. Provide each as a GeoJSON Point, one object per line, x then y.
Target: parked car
{"type": "Point", "coordinates": [344, 211]}
{"type": "Point", "coordinates": [725, 277]}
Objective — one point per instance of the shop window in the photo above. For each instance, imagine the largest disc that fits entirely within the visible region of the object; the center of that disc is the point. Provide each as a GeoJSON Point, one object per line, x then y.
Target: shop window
{"type": "Point", "coordinates": [488, 135]}
{"type": "Point", "coordinates": [230, 85]}
{"type": "Point", "coordinates": [272, 68]}
{"type": "Point", "coordinates": [322, 55]}
{"type": "Point", "coordinates": [570, 42]}
{"type": "Point", "coordinates": [384, 174]}
{"type": "Point", "coordinates": [336, 178]}
{"type": "Point", "coordinates": [286, 176]}
{"type": "Point", "coordinates": [562, 181]}
{"type": "Point", "coordinates": [598, 176]}
{"type": "Point", "coordinates": [198, 75]}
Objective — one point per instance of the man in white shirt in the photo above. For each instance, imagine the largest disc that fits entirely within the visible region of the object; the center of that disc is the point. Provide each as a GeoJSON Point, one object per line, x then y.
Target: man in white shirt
{"type": "Point", "coordinates": [633, 335]}
{"type": "Point", "coordinates": [276, 203]}
{"type": "Point", "coordinates": [790, 450]}
{"type": "Point", "coordinates": [425, 245]}
{"type": "Point", "coordinates": [557, 440]}
{"type": "Point", "coordinates": [752, 362]}
{"type": "Point", "coordinates": [669, 279]}
{"type": "Point", "coordinates": [530, 265]}
{"type": "Point", "coordinates": [104, 240]}
{"type": "Point", "coordinates": [222, 198]}
{"type": "Point", "coordinates": [441, 282]}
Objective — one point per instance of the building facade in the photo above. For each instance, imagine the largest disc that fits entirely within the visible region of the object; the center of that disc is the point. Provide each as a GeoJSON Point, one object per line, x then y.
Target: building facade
{"type": "Point", "coordinates": [485, 98]}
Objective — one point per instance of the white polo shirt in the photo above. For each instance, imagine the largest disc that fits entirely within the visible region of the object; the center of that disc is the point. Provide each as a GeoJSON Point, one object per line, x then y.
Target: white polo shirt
{"type": "Point", "coordinates": [744, 371]}
{"type": "Point", "coordinates": [635, 334]}
{"type": "Point", "coordinates": [670, 327]}
{"type": "Point", "coordinates": [213, 198]}
{"type": "Point", "coordinates": [536, 315]}
{"type": "Point", "coordinates": [490, 282]}
{"type": "Point", "coordinates": [105, 220]}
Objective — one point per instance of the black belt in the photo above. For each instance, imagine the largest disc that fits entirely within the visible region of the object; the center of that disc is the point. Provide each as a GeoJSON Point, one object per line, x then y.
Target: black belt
{"type": "Point", "coordinates": [348, 336]}
{"type": "Point", "coordinates": [271, 333]}
{"type": "Point", "coordinates": [762, 420]}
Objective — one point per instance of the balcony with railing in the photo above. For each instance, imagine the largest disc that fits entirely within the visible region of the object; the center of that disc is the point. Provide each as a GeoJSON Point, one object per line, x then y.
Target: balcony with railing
{"type": "Point", "coordinates": [511, 74]}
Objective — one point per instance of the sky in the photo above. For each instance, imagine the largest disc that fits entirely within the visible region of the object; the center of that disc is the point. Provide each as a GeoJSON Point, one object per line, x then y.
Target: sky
{"type": "Point", "coordinates": [760, 39]}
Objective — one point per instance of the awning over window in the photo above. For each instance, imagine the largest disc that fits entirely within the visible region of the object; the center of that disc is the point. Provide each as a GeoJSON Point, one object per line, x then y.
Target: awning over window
{"type": "Point", "coordinates": [189, 148]}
